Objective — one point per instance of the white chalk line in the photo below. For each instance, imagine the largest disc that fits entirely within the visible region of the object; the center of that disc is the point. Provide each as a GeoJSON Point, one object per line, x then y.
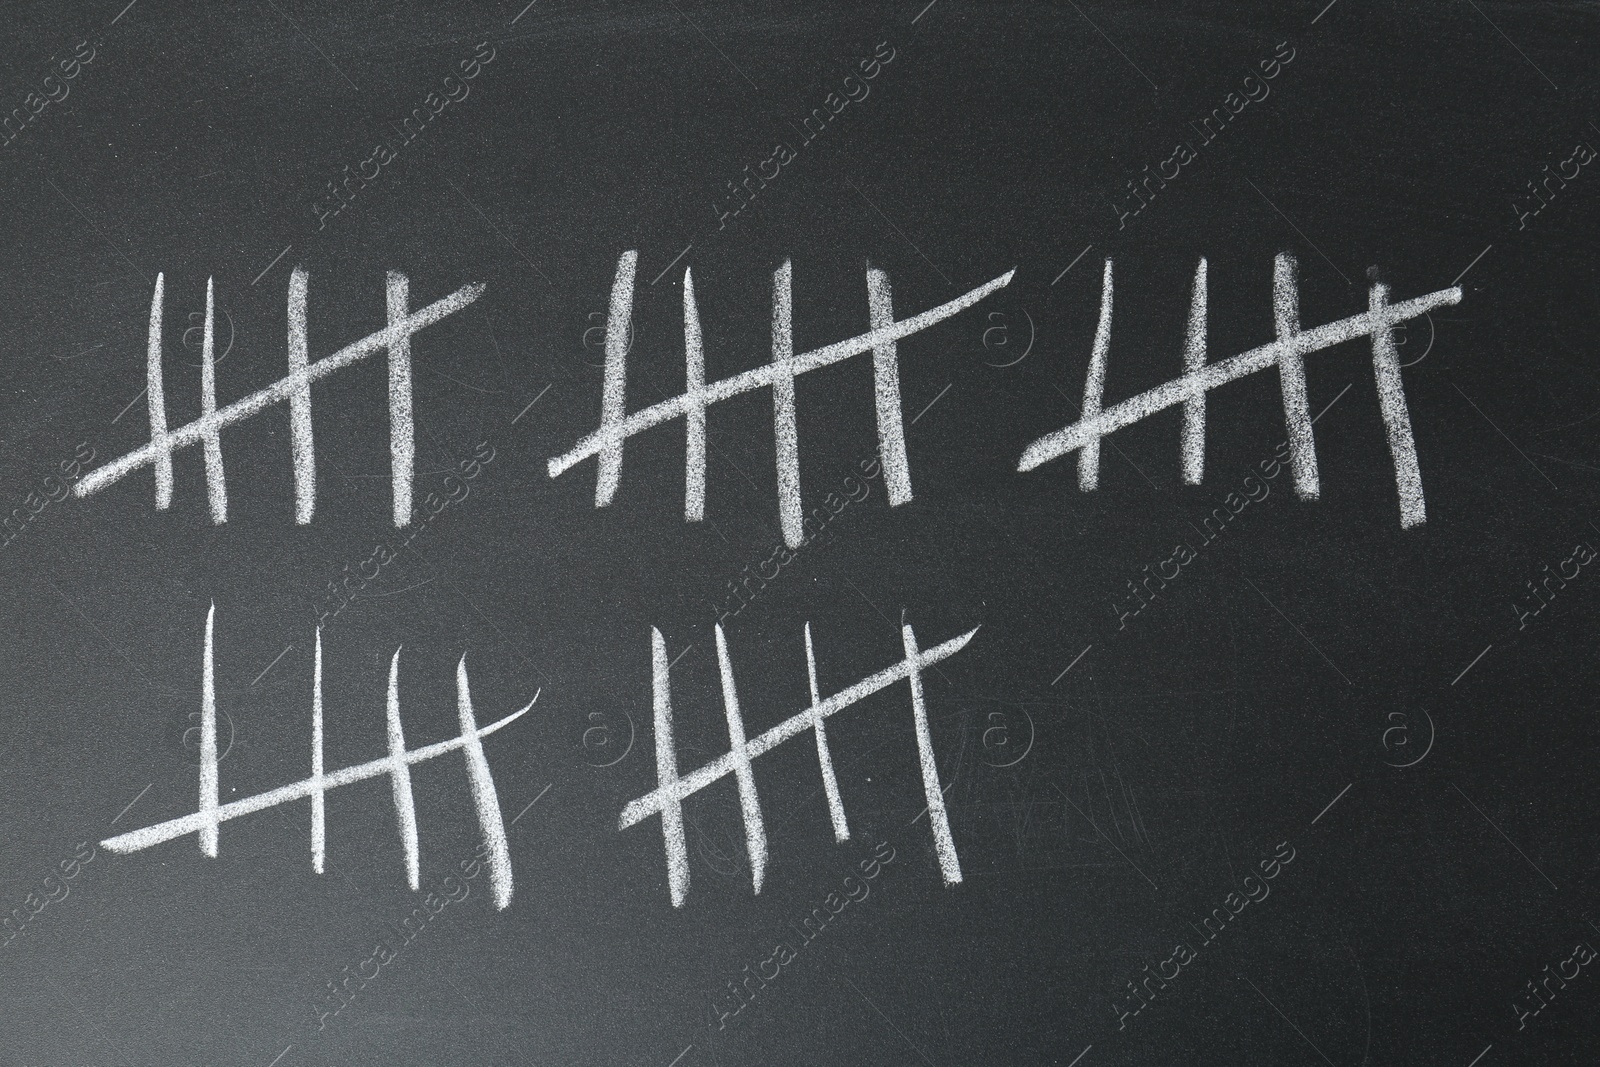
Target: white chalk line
{"type": "Point", "coordinates": [1126, 413]}
{"type": "Point", "coordinates": [668, 797]}
{"type": "Point", "coordinates": [233, 809]}
{"type": "Point", "coordinates": [278, 391]}
{"type": "Point", "coordinates": [759, 377]}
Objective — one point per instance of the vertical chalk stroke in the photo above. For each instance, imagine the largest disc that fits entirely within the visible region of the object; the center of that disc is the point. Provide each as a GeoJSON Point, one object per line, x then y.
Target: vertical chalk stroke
{"type": "Point", "coordinates": [830, 784]}
{"type": "Point", "coordinates": [402, 434]}
{"type": "Point", "coordinates": [1292, 376]}
{"type": "Point", "coordinates": [1194, 361]}
{"type": "Point", "coordinates": [785, 433]}
{"type": "Point", "coordinates": [694, 416]}
{"type": "Point", "coordinates": [395, 764]}
{"type": "Point", "coordinates": [216, 480]}
{"type": "Point", "coordinates": [1094, 384]}
{"type": "Point", "coordinates": [886, 391]}
{"type": "Point", "coordinates": [1287, 353]}
{"type": "Point", "coordinates": [405, 805]}
{"type": "Point", "coordinates": [301, 443]}
{"type": "Point", "coordinates": [484, 797]}
{"type": "Point", "coordinates": [672, 789]}
{"type": "Point", "coordinates": [156, 400]}
{"type": "Point", "coordinates": [943, 843]}
{"type": "Point", "coordinates": [614, 397]}
{"type": "Point", "coordinates": [1396, 416]}
{"type": "Point", "coordinates": [319, 786]}
{"type": "Point", "coordinates": [667, 773]}
{"type": "Point", "coordinates": [606, 442]}
{"type": "Point", "coordinates": [755, 832]}
{"type": "Point", "coordinates": [208, 740]}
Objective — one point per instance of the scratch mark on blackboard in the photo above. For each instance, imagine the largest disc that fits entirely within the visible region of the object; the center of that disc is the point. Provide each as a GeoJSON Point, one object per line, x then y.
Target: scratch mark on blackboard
{"type": "Point", "coordinates": [1074, 263]}
{"type": "Point", "coordinates": [285, 1052]}
{"type": "Point", "coordinates": [932, 402]}
{"type": "Point", "coordinates": [132, 402]}
{"type": "Point", "coordinates": [1502, 833]}
{"type": "Point", "coordinates": [271, 665]}
{"type": "Point", "coordinates": [674, 262]}
{"type": "Point", "coordinates": [1513, 44]}
{"type": "Point", "coordinates": [886, 1019]}
{"type": "Point", "coordinates": [1113, 44]}
{"type": "Point", "coordinates": [1073, 664]}
{"type": "Point", "coordinates": [925, 811]}
{"type": "Point", "coordinates": [898, 230]}
{"type": "Point", "coordinates": [1474, 662]}
{"type": "Point", "coordinates": [712, 43]}
{"type": "Point", "coordinates": [1297, 630]}
{"type": "Point", "coordinates": [274, 263]}
{"type": "Point", "coordinates": [313, 45]}
{"type": "Point", "coordinates": [1301, 232]}
{"type": "Point", "coordinates": [1286, 1019]}
{"type": "Point", "coordinates": [1502, 433]}
{"type": "Point", "coordinates": [532, 802]}
{"type": "Point", "coordinates": [1331, 803]}
{"type": "Point", "coordinates": [1474, 263]}
{"type": "Point", "coordinates": [1102, 833]}
{"type": "Point", "coordinates": [131, 803]}
{"type": "Point", "coordinates": [532, 402]}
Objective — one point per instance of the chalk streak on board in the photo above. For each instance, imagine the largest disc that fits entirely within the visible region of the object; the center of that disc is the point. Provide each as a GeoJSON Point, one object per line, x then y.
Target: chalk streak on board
{"type": "Point", "coordinates": [606, 442]}
{"type": "Point", "coordinates": [396, 764]}
{"type": "Point", "coordinates": [1287, 354]}
{"type": "Point", "coordinates": [668, 797]}
{"type": "Point", "coordinates": [295, 388]}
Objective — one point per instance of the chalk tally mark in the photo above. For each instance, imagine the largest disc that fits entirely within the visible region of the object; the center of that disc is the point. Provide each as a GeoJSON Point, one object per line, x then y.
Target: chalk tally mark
{"type": "Point", "coordinates": [1287, 353]}
{"type": "Point", "coordinates": [616, 426]}
{"type": "Point", "coordinates": [397, 764]}
{"type": "Point", "coordinates": [295, 388]}
{"type": "Point", "coordinates": [672, 789]}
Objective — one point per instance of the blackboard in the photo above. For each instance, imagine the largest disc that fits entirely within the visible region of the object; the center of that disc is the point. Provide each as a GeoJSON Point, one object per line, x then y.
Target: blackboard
{"type": "Point", "coordinates": [1092, 565]}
